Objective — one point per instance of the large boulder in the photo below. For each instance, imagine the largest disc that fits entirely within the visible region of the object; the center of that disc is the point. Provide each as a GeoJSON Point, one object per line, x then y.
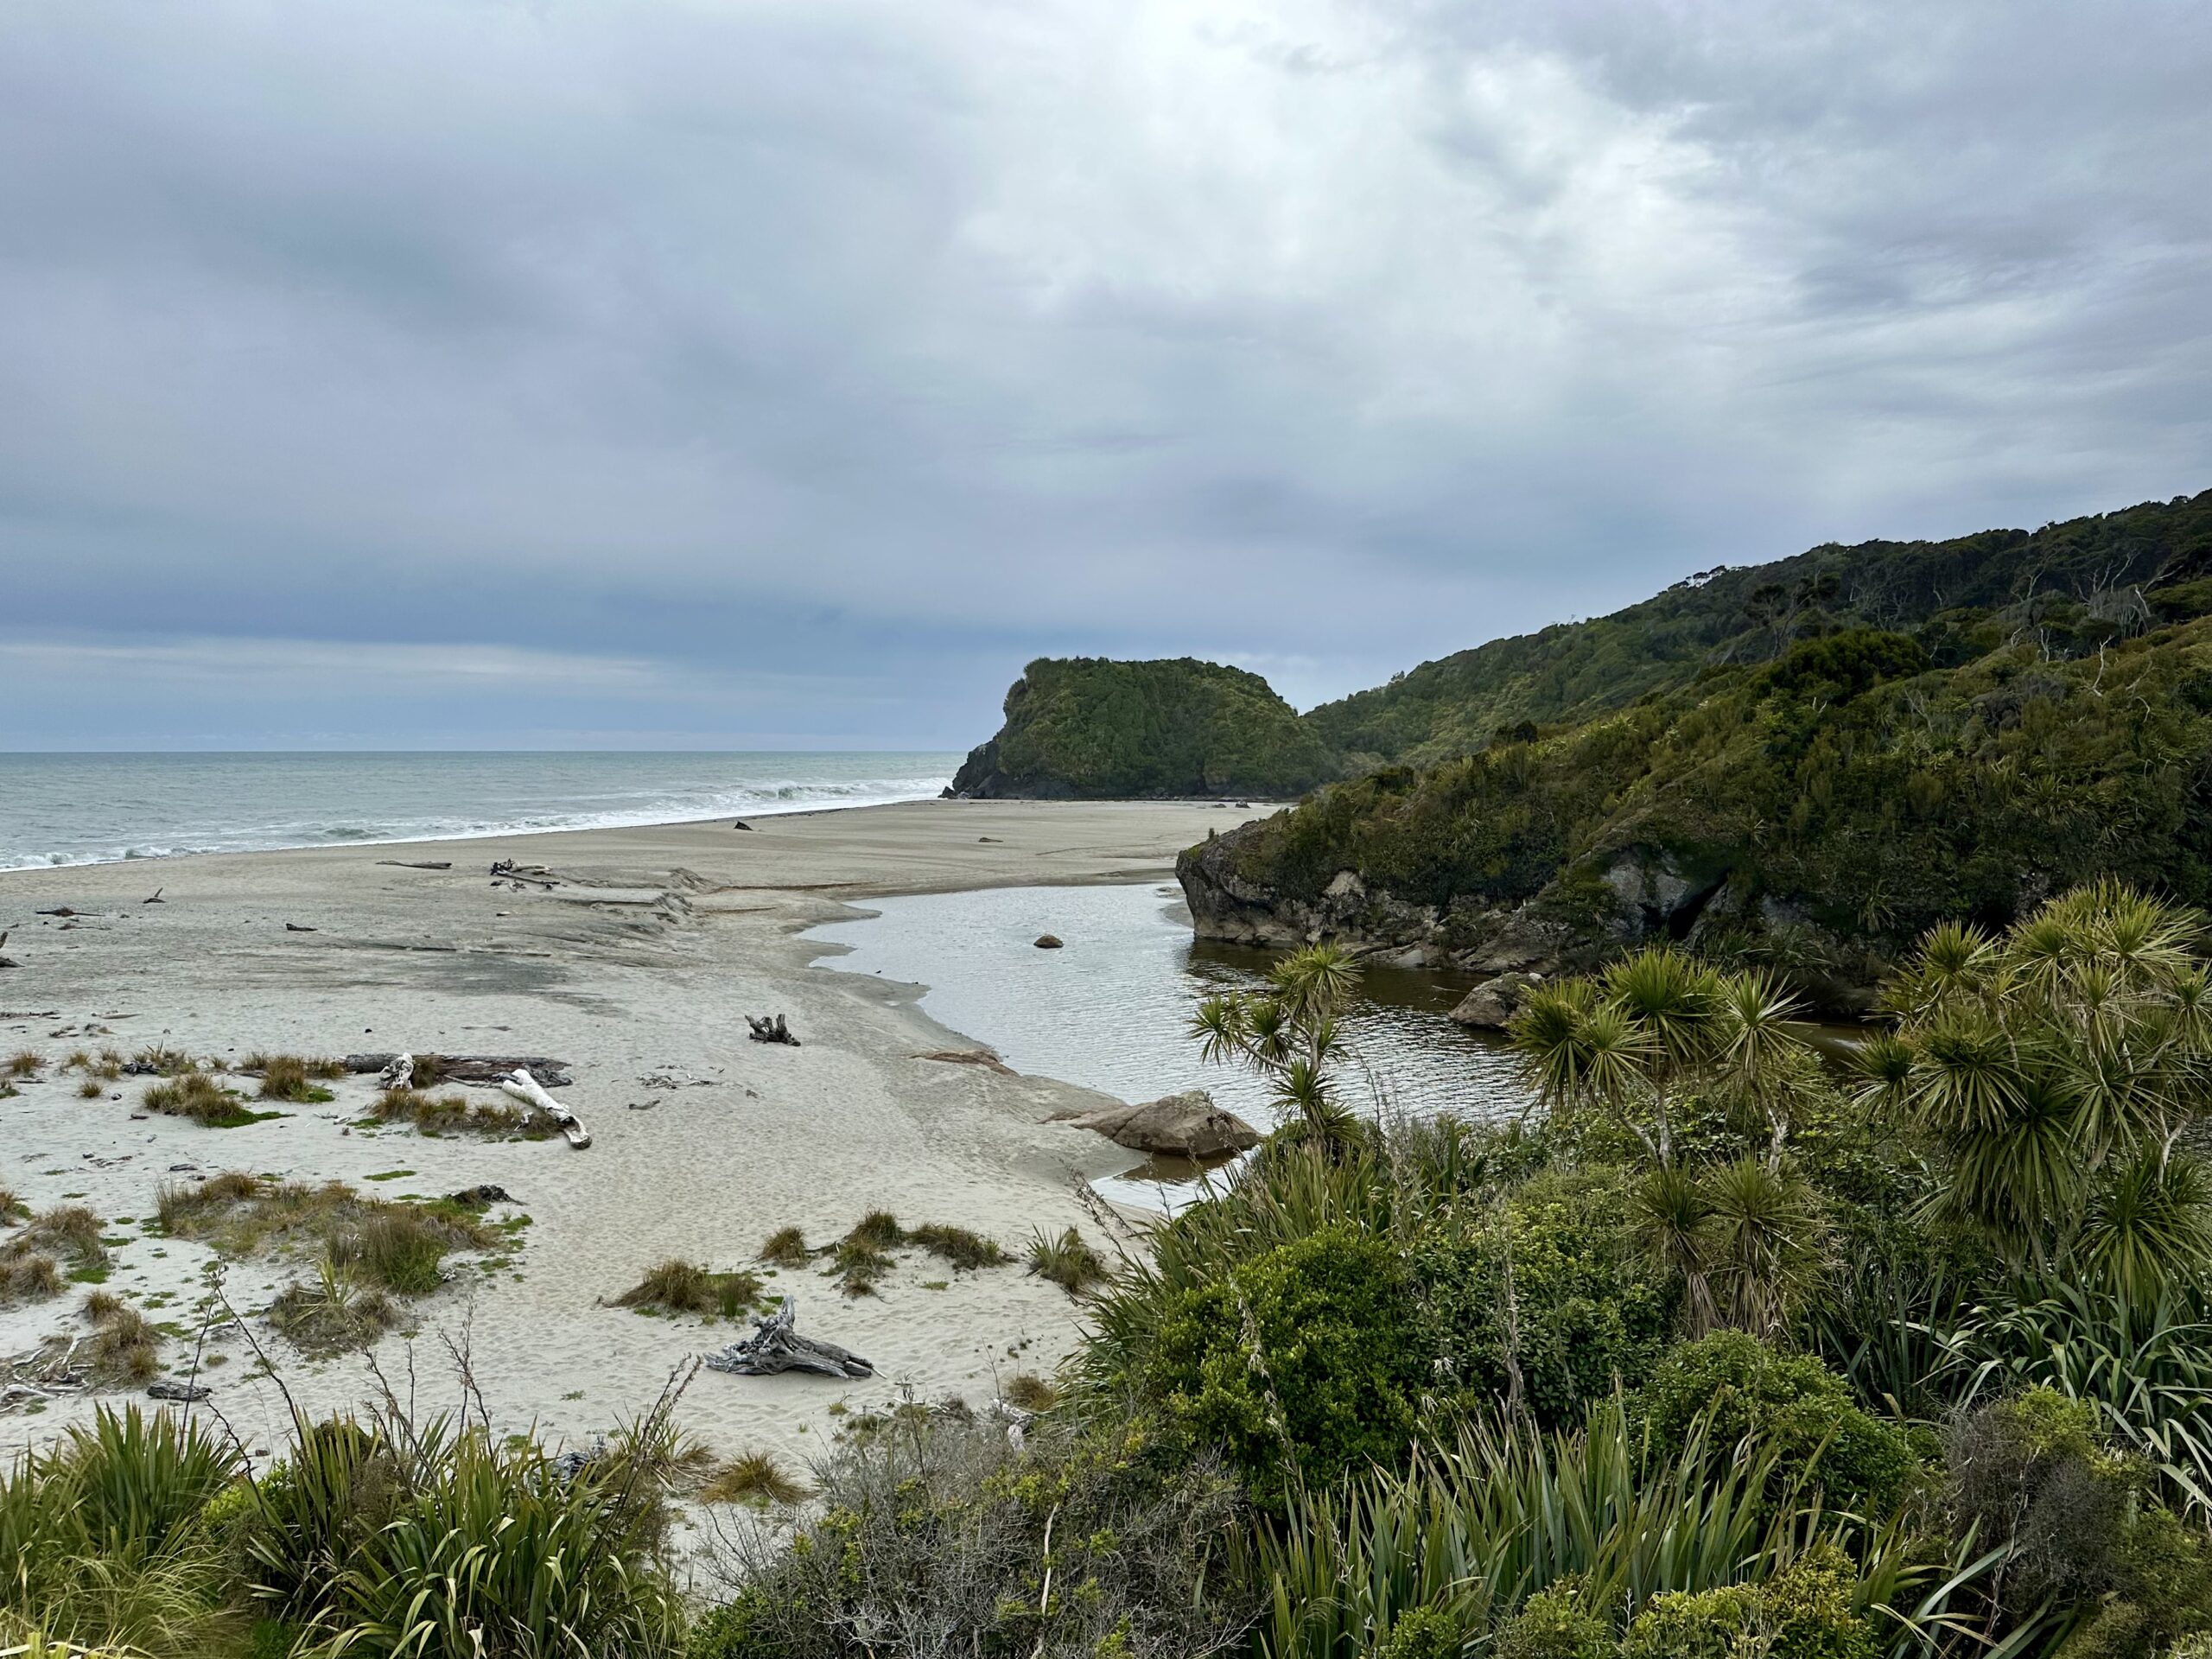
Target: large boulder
{"type": "Point", "coordinates": [1492, 1004]}
{"type": "Point", "coordinates": [1188, 1125]}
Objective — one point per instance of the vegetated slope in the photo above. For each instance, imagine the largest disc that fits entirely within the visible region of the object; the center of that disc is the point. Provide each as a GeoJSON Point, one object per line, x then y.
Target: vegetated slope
{"type": "Point", "coordinates": [2069, 587]}
{"type": "Point", "coordinates": [1817, 812]}
{"type": "Point", "coordinates": [1092, 727]}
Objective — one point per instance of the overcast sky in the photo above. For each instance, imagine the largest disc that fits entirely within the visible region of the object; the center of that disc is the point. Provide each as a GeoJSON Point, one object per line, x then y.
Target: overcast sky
{"type": "Point", "coordinates": [703, 373]}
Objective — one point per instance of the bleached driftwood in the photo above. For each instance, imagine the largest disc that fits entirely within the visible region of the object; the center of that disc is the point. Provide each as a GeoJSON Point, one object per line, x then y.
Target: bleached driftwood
{"type": "Point", "coordinates": [491, 1070]}
{"type": "Point", "coordinates": [775, 1346]}
{"type": "Point", "coordinates": [399, 1074]}
{"type": "Point", "coordinates": [523, 1086]}
{"type": "Point", "coordinates": [771, 1031]}
{"type": "Point", "coordinates": [417, 863]}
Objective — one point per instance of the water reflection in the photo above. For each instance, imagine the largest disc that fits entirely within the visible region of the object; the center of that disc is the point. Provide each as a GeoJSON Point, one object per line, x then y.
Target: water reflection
{"type": "Point", "coordinates": [1111, 1009]}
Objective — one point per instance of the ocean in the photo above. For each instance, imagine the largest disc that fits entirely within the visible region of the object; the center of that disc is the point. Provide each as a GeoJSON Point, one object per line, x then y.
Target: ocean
{"type": "Point", "coordinates": [91, 808]}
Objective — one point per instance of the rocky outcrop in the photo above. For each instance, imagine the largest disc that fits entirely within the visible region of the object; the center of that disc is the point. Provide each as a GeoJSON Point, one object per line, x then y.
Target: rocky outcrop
{"type": "Point", "coordinates": [1492, 1004]}
{"type": "Point", "coordinates": [1188, 1125]}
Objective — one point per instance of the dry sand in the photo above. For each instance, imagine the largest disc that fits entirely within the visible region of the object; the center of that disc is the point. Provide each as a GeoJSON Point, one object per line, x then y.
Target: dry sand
{"type": "Point", "coordinates": [638, 970]}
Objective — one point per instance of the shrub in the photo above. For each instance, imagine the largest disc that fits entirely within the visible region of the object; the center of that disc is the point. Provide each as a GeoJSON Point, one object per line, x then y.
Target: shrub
{"type": "Point", "coordinates": [931, 1539]}
{"type": "Point", "coordinates": [1030, 1393]}
{"type": "Point", "coordinates": [102, 1539]}
{"type": "Point", "coordinates": [1308, 1355]}
{"type": "Point", "coordinates": [1792, 1402]}
{"type": "Point", "coordinates": [337, 1312]}
{"type": "Point", "coordinates": [1589, 1319]}
{"type": "Point", "coordinates": [1424, 1633]}
{"type": "Point", "coordinates": [1555, 1625]}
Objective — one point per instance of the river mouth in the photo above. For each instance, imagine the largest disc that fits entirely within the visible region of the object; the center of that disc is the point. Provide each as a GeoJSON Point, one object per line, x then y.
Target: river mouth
{"type": "Point", "coordinates": [1110, 1009]}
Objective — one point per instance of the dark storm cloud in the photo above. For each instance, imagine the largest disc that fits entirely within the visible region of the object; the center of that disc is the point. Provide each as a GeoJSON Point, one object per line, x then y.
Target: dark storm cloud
{"type": "Point", "coordinates": [794, 372]}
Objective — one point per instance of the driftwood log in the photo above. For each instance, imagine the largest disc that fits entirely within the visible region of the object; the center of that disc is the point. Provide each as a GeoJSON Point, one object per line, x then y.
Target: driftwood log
{"type": "Point", "coordinates": [525, 1087]}
{"type": "Point", "coordinates": [771, 1031]}
{"type": "Point", "coordinates": [775, 1346]}
{"type": "Point", "coordinates": [417, 863]}
{"type": "Point", "coordinates": [493, 1069]}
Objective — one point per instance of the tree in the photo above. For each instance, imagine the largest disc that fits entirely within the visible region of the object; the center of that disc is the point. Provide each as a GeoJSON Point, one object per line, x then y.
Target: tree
{"type": "Point", "coordinates": [2050, 1071]}
{"type": "Point", "coordinates": [1288, 1035]}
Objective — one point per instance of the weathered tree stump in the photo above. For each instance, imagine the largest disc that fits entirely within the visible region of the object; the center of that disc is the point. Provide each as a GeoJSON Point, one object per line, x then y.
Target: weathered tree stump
{"type": "Point", "coordinates": [775, 1347]}
{"type": "Point", "coordinates": [771, 1031]}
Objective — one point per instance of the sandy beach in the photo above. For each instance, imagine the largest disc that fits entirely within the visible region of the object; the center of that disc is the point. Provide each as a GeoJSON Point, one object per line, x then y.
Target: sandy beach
{"type": "Point", "coordinates": [638, 970]}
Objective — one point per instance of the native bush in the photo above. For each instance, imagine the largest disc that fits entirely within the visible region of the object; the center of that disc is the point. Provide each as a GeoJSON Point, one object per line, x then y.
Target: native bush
{"type": "Point", "coordinates": [1553, 1287]}
{"type": "Point", "coordinates": [1741, 1387]}
{"type": "Point", "coordinates": [1305, 1361]}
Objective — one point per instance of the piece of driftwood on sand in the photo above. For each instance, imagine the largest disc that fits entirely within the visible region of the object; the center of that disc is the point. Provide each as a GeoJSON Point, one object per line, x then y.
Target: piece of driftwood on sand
{"type": "Point", "coordinates": [523, 1086]}
{"type": "Point", "coordinates": [417, 863]}
{"type": "Point", "coordinates": [490, 1069]}
{"type": "Point", "coordinates": [771, 1031]}
{"type": "Point", "coordinates": [775, 1346]}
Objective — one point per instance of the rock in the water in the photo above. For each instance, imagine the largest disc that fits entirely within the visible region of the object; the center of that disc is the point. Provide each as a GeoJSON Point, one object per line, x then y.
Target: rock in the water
{"type": "Point", "coordinates": [1048, 942]}
{"type": "Point", "coordinates": [1188, 1125]}
{"type": "Point", "coordinates": [1492, 1004]}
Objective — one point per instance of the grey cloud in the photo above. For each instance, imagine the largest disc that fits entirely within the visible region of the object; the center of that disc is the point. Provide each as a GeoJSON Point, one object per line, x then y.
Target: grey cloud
{"type": "Point", "coordinates": [858, 340]}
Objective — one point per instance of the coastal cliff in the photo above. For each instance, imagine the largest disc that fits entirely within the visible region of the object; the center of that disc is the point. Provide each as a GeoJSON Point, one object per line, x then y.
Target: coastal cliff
{"type": "Point", "coordinates": [1088, 727]}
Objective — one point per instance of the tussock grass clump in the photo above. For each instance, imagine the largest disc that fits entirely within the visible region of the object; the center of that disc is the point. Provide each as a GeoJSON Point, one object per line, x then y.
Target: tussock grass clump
{"type": "Point", "coordinates": [289, 1077]}
{"type": "Point", "coordinates": [25, 1063]}
{"type": "Point", "coordinates": [125, 1346]}
{"type": "Point", "coordinates": [68, 1230]}
{"type": "Point", "coordinates": [200, 1097]}
{"type": "Point", "coordinates": [958, 1247]}
{"type": "Point", "coordinates": [12, 1208]}
{"type": "Point", "coordinates": [754, 1477]}
{"type": "Point", "coordinates": [336, 1313]}
{"type": "Point", "coordinates": [1066, 1261]}
{"type": "Point", "coordinates": [457, 1114]}
{"type": "Point", "coordinates": [679, 1286]}
{"type": "Point", "coordinates": [879, 1228]}
{"type": "Point", "coordinates": [786, 1248]}
{"type": "Point", "coordinates": [392, 1246]}
{"type": "Point", "coordinates": [857, 1263]}
{"type": "Point", "coordinates": [28, 1276]}
{"type": "Point", "coordinates": [90, 1089]}
{"type": "Point", "coordinates": [1030, 1392]}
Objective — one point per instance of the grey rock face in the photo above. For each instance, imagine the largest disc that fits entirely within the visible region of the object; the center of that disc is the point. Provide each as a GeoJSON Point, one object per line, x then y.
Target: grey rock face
{"type": "Point", "coordinates": [1188, 1125]}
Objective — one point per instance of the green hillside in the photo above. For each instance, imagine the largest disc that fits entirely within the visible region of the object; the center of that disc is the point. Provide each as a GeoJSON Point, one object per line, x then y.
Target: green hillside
{"type": "Point", "coordinates": [1817, 812]}
{"type": "Point", "coordinates": [2069, 587]}
{"type": "Point", "coordinates": [1090, 728]}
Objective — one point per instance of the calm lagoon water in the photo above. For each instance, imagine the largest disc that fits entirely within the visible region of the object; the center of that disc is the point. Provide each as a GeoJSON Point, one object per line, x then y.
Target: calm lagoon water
{"type": "Point", "coordinates": [1110, 1010]}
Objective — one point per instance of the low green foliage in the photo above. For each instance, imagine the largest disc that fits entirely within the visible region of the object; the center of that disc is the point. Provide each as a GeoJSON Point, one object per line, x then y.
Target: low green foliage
{"type": "Point", "coordinates": [1743, 1389]}
{"type": "Point", "coordinates": [680, 1287]}
{"type": "Point", "coordinates": [1305, 1362]}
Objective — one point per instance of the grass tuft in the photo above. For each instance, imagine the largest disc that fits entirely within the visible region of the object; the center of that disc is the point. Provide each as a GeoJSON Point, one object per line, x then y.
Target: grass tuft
{"type": "Point", "coordinates": [1030, 1392]}
{"type": "Point", "coordinates": [435, 1115]}
{"type": "Point", "coordinates": [25, 1063]}
{"type": "Point", "coordinates": [679, 1286]}
{"type": "Point", "coordinates": [200, 1097]}
{"type": "Point", "coordinates": [958, 1247]}
{"type": "Point", "coordinates": [163, 1061]}
{"type": "Point", "coordinates": [12, 1208]}
{"type": "Point", "coordinates": [90, 1089]}
{"type": "Point", "coordinates": [1066, 1261]}
{"type": "Point", "coordinates": [754, 1477]}
{"type": "Point", "coordinates": [337, 1312]}
{"type": "Point", "coordinates": [289, 1077]}
{"type": "Point", "coordinates": [125, 1346]}
{"type": "Point", "coordinates": [858, 1264]}
{"type": "Point", "coordinates": [786, 1248]}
